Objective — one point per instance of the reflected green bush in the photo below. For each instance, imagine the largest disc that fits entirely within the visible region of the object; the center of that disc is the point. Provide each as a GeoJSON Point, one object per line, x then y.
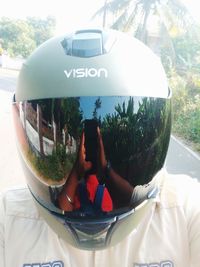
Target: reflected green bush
{"type": "Point", "coordinates": [136, 140]}
{"type": "Point", "coordinates": [54, 167]}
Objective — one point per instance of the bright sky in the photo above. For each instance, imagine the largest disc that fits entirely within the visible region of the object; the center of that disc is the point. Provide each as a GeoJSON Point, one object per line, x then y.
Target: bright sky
{"type": "Point", "coordinates": [193, 7]}
{"type": "Point", "coordinates": [69, 14]}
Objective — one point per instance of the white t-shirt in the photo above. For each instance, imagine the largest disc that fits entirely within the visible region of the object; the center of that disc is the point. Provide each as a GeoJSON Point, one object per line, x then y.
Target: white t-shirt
{"type": "Point", "coordinates": [168, 237]}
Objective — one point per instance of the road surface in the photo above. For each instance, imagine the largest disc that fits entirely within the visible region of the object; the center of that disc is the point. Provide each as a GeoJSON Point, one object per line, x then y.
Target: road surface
{"type": "Point", "coordinates": [180, 159]}
{"type": "Point", "coordinates": [11, 173]}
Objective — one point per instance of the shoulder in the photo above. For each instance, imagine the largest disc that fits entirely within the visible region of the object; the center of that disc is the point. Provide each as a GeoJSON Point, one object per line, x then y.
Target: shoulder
{"type": "Point", "coordinates": [18, 202]}
{"type": "Point", "coordinates": [17, 210]}
{"type": "Point", "coordinates": [179, 190]}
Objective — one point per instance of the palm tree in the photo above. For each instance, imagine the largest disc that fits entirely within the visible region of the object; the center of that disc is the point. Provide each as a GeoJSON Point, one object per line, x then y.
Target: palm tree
{"type": "Point", "coordinates": [136, 16]}
{"type": "Point", "coordinates": [104, 13]}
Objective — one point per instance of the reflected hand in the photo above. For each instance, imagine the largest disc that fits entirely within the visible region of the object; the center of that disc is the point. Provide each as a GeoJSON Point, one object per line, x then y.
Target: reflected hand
{"type": "Point", "coordinates": [82, 165]}
{"type": "Point", "coordinates": [102, 157]}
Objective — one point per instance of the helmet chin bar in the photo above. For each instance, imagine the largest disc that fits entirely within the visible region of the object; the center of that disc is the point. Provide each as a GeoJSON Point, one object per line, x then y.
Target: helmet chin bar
{"type": "Point", "coordinates": [94, 234]}
{"type": "Point", "coordinates": [97, 234]}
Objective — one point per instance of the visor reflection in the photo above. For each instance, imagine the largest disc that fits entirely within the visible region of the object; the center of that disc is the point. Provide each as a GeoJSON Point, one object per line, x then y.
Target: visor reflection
{"type": "Point", "coordinates": [90, 152]}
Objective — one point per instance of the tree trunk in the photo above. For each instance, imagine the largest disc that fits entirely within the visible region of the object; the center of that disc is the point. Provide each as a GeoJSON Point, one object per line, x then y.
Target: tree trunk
{"type": "Point", "coordinates": [104, 13]}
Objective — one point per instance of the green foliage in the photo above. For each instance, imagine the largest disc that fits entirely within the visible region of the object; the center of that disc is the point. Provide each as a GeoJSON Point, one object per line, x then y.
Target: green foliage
{"type": "Point", "coordinates": [185, 82]}
{"type": "Point", "coordinates": [188, 51]}
{"type": "Point", "coordinates": [186, 108]}
{"type": "Point", "coordinates": [43, 29]}
{"type": "Point", "coordinates": [20, 37]}
{"type": "Point", "coordinates": [54, 167]}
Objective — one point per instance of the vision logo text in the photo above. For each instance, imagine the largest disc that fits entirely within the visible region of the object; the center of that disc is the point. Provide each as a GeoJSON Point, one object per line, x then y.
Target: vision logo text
{"type": "Point", "coordinates": [86, 72]}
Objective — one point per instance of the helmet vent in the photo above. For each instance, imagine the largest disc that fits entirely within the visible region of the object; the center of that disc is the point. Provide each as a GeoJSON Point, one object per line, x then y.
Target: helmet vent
{"type": "Point", "coordinates": [87, 43]}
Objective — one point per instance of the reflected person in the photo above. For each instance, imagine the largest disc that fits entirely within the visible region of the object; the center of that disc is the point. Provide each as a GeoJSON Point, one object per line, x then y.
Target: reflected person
{"type": "Point", "coordinates": [69, 198]}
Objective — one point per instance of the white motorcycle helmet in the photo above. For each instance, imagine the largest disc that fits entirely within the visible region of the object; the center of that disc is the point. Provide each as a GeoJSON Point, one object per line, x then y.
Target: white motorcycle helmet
{"type": "Point", "coordinates": [92, 115]}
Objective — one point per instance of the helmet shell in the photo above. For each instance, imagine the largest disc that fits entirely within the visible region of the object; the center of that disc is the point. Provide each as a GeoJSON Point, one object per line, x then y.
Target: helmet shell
{"type": "Point", "coordinates": [127, 68]}
{"type": "Point", "coordinates": [116, 83]}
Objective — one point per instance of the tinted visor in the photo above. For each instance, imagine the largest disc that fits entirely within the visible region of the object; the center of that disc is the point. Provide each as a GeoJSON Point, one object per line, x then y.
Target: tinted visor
{"type": "Point", "coordinates": [84, 155]}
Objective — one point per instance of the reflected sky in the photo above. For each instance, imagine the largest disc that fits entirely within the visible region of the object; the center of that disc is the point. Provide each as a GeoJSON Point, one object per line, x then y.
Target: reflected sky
{"type": "Point", "coordinates": [87, 104]}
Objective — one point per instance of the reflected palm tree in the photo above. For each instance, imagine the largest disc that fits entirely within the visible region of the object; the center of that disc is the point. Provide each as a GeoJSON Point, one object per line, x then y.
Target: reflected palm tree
{"type": "Point", "coordinates": [137, 136]}
{"type": "Point", "coordinates": [97, 105]}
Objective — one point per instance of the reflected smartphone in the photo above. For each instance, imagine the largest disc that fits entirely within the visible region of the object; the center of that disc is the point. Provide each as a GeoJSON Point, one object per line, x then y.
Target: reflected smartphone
{"type": "Point", "coordinates": [91, 145]}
